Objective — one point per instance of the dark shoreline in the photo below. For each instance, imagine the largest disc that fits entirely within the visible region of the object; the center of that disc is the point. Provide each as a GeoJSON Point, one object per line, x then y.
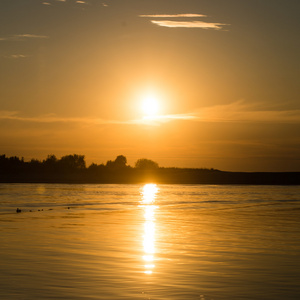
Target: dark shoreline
{"type": "Point", "coordinates": [161, 176]}
{"type": "Point", "coordinates": [72, 169]}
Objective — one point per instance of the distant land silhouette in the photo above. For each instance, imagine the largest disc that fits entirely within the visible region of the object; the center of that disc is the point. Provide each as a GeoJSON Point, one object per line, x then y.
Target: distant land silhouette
{"type": "Point", "coordinates": [73, 169]}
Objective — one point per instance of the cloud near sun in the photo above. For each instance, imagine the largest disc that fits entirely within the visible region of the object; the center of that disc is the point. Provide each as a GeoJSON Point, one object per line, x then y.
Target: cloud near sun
{"type": "Point", "coordinates": [184, 24]}
{"type": "Point", "coordinates": [238, 111]}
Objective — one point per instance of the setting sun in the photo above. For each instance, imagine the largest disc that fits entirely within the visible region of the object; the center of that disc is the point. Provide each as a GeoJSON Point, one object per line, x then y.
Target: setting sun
{"type": "Point", "coordinates": [150, 105]}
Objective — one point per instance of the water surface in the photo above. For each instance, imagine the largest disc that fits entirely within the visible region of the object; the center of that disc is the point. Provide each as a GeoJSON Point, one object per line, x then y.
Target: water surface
{"type": "Point", "coordinates": [149, 242]}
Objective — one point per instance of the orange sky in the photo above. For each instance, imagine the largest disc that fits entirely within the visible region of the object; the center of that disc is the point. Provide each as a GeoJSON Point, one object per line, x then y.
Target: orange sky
{"type": "Point", "coordinates": [225, 75]}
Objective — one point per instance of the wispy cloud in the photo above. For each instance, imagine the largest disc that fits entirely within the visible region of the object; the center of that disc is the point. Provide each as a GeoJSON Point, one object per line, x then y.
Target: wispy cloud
{"type": "Point", "coordinates": [240, 111]}
{"type": "Point", "coordinates": [174, 16]}
{"type": "Point", "coordinates": [183, 24]}
{"type": "Point", "coordinates": [52, 118]}
{"type": "Point", "coordinates": [76, 1]}
{"type": "Point", "coordinates": [23, 37]}
{"type": "Point", "coordinates": [167, 118]}
{"type": "Point", "coordinates": [17, 56]}
{"type": "Point", "coordinates": [31, 36]}
{"type": "Point", "coordinates": [234, 112]}
{"type": "Point", "coordinates": [188, 24]}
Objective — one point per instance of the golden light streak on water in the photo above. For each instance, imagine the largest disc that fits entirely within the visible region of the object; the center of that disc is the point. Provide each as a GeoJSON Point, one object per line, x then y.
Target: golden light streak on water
{"type": "Point", "coordinates": [149, 192]}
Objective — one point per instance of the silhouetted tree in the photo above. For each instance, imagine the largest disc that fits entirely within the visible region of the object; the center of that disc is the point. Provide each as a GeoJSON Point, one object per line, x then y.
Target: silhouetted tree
{"type": "Point", "coordinates": [3, 161]}
{"type": "Point", "coordinates": [120, 161]}
{"type": "Point", "coordinates": [51, 161]}
{"type": "Point", "coordinates": [110, 164]}
{"type": "Point", "coordinates": [34, 163]}
{"type": "Point", "coordinates": [74, 161]}
{"type": "Point", "coordinates": [3, 158]}
{"type": "Point", "coordinates": [93, 167]}
{"type": "Point", "coordinates": [96, 168]}
{"type": "Point", "coordinates": [14, 160]}
{"type": "Point", "coordinates": [146, 164]}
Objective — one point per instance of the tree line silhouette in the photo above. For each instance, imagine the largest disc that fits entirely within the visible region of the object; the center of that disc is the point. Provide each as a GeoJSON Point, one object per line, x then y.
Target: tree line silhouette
{"type": "Point", "coordinates": [73, 169]}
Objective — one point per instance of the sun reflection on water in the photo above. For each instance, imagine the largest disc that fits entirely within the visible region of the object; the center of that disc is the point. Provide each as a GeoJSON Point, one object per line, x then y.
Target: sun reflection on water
{"type": "Point", "coordinates": [149, 192]}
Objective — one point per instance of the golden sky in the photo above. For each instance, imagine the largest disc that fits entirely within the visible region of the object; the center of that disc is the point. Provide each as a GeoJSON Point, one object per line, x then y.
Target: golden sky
{"type": "Point", "coordinates": [224, 76]}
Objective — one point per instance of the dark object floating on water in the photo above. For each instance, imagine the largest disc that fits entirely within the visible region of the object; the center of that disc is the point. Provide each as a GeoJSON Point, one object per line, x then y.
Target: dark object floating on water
{"type": "Point", "coordinates": [18, 210]}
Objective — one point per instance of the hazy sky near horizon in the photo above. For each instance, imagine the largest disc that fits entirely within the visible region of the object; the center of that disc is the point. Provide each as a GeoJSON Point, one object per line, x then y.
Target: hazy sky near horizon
{"type": "Point", "coordinates": [224, 73]}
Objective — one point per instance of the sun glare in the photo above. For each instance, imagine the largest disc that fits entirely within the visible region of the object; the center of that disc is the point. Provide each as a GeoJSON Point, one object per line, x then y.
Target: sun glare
{"type": "Point", "coordinates": [149, 192]}
{"type": "Point", "coordinates": [150, 106]}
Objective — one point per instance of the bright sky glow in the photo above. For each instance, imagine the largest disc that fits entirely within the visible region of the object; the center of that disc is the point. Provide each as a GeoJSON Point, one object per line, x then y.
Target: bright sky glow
{"type": "Point", "coordinates": [150, 105]}
{"type": "Point", "coordinates": [196, 84]}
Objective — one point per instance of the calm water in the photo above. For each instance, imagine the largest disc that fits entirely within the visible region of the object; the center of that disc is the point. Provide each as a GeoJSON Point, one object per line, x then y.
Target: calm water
{"type": "Point", "coordinates": [149, 242]}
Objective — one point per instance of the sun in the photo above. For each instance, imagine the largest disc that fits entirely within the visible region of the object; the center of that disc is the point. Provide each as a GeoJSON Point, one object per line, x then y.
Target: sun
{"type": "Point", "coordinates": [150, 105]}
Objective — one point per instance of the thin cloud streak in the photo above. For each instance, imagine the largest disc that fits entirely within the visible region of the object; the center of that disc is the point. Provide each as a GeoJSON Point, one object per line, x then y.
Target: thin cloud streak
{"type": "Point", "coordinates": [183, 24]}
{"type": "Point", "coordinates": [17, 56]}
{"type": "Point", "coordinates": [233, 112]}
{"type": "Point", "coordinates": [188, 24]}
{"type": "Point", "coordinates": [32, 36]}
{"type": "Point", "coordinates": [241, 112]}
{"type": "Point", "coordinates": [15, 116]}
{"type": "Point", "coordinates": [23, 37]}
{"type": "Point", "coordinates": [167, 118]}
{"type": "Point", "coordinates": [174, 16]}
